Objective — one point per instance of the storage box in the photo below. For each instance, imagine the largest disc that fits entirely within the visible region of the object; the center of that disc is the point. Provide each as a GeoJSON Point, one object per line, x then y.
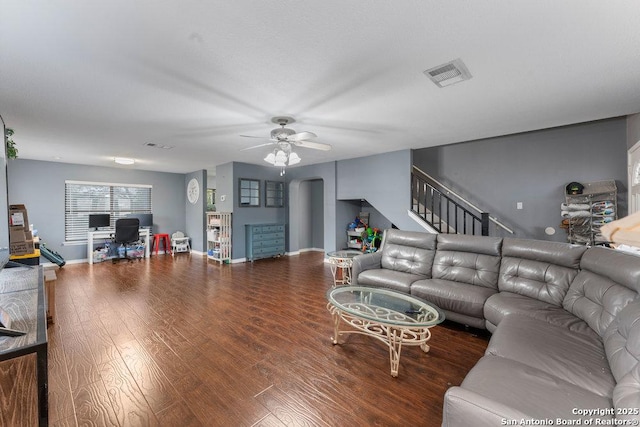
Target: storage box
{"type": "Point", "coordinates": [17, 235]}
{"type": "Point", "coordinates": [22, 248]}
{"type": "Point", "coordinates": [29, 256]}
{"type": "Point", "coordinates": [18, 217]}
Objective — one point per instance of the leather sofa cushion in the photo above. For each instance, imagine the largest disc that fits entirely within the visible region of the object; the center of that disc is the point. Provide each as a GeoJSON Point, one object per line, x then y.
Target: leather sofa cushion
{"type": "Point", "coordinates": [463, 408]}
{"type": "Point", "coordinates": [467, 267]}
{"type": "Point", "coordinates": [626, 395]}
{"type": "Point", "coordinates": [535, 279]}
{"type": "Point", "coordinates": [538, 269]}
{"type": "Point", "coordinates": [408, 252]}
{"type": "Point", "coordinates": [603, 287]}
{"type": "Point", "coordinates": [465, 243]}
{"type": "Point", "coordinates": [617, 266]}
{"type": "Point", "coordinates": [622, 340]}
{"type": "Point", "coordinates": [575, 358]}
{"type": "Point", "coordinates": [474, 260]}
{"type": "Point", "coordinates": [390, 279]}
{"type": "Point", "coordinates": [556, 253]}
{"type": "Point", "coordinates": [529, 390]}
{"type": "Point", "coordinates": [504, 303]}
{"type": "Point", "coordinates": [453, 296]}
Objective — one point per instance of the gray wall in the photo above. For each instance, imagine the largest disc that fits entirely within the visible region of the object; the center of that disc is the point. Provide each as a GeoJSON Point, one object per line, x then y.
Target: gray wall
{"type": "Point", "coordinates": [195, 215]}
{"type": "Point", "coordinates": [250, 215]}
{"type": "Point", "coordinates": [224, 188]}
{"type": "Point", "coordinates": [40, 186]}
{"type": "Point", "coordinates": [532, 168]}
{"type": "Point", "coordinates": [384, 180]}
{"type": "Point", "coordinates": [316, 188]}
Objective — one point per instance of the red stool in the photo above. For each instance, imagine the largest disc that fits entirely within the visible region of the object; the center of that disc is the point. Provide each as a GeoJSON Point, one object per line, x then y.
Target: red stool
{"type": "Point", "coordinates": [164, 238]}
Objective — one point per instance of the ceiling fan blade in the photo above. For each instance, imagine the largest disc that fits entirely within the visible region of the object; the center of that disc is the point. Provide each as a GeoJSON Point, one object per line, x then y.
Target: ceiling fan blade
{"type": "Point", "coordinates": [257, 137]}
{"type": "Point", "coordinates": [313, 145]}
{"type": "Point", "coordinates": [302, 135]}
{"type": "Point", "coordinates": [257, 146]}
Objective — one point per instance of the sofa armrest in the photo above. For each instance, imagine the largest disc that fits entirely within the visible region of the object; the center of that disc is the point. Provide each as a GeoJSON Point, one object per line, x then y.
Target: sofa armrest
{"type": "Point", "coordinates": [364, 262]}
{"type": "Point", "coordinates": [463, 408]}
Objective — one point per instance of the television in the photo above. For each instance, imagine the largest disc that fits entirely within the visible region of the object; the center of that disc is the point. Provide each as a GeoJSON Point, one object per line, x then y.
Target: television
{"type": "Point", "coordinates": [146, 219]}
{"type": "Point", "coordinates": [99, 220]}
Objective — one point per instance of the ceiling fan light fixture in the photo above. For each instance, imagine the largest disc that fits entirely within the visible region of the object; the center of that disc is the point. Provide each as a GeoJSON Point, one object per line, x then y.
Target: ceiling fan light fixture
{"type": "Point", "coordinates": [294, 159]}
{"type": "Point", "coordinates": [271, 158]}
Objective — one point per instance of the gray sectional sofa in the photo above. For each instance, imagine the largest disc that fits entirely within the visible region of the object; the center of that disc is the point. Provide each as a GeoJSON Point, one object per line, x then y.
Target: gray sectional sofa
{"type": "Point", "coordinates": [565, 324]}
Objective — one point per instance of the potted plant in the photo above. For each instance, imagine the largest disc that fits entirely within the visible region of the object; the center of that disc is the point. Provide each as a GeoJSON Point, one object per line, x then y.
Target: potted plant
{"type": "Point", "coordinates": [12, 150]}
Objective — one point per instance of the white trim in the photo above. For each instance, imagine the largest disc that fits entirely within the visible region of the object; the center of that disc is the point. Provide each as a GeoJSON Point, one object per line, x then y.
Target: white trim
{"type": "Point", "coordinates": [109, 184]}
{"type": "Point", "coordinates": [238, 260]}
{"type": "Point", "coordinates": [421, 222]}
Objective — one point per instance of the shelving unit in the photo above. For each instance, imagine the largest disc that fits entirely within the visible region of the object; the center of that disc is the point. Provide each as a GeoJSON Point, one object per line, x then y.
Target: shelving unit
{"type": "Point", "coordinates": [587, 212]}
{"type": "Point", "coordinates": [354, 239]}
{"type": "Point", "coordinates": [219, 236]}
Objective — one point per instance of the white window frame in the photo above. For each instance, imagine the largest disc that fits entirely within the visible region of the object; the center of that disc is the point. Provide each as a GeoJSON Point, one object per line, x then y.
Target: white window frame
{"type": "Point", "coordinates": [76, 216]}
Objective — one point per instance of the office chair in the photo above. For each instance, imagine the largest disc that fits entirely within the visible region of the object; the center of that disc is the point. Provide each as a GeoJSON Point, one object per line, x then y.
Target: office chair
{"type": "Point", "coordinates": [126, 233]}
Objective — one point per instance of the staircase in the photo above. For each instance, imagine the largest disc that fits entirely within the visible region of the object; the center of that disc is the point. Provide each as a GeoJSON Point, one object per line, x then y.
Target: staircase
{"type": "Point", "coordinates": [441, 211]}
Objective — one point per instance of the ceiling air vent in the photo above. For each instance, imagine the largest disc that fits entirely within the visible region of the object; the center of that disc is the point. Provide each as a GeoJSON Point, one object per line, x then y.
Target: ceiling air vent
{"type": "Point", "coordinates": [154, 145]}
{"type": "Point", "coordinates": [450, 73]}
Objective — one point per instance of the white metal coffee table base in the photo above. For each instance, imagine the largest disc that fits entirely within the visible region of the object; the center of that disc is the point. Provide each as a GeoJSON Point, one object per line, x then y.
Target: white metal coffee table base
{"type": "Point", "coordinates": [394, 336]}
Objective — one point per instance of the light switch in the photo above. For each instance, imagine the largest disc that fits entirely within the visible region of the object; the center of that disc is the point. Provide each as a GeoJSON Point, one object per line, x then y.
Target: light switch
{"type": "Point", "coordinates": [518, 205]}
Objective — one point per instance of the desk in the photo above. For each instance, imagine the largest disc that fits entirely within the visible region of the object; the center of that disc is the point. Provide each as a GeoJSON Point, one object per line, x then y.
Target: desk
{"type": "Point", "coordinates": [22, 297]}
{"type": "Point", "coordinates": [92, 236]}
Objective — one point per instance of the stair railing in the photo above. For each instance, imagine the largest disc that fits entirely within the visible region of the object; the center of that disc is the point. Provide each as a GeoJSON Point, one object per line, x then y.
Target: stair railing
{"type": "Point", "coordinates": [444, 214]}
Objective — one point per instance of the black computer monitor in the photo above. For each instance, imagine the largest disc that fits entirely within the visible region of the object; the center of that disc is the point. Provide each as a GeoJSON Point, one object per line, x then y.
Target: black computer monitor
{"type": "Point", "coordinates": [146, 219]}
{"type": "Point", "coordinates": [99, 220]}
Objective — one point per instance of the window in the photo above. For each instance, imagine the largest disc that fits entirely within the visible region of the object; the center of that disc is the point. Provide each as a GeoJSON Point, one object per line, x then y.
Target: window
{"type": "Point", "coordinates": [274, 194]}
{"type": "Point", "coordinates": [249, 192]}
{"type": "Point", "coordinates": [85, 198]}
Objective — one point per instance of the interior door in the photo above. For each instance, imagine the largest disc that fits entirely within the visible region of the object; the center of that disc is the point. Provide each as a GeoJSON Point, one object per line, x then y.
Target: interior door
{"type": "Point", "coordinates": [634, 178]}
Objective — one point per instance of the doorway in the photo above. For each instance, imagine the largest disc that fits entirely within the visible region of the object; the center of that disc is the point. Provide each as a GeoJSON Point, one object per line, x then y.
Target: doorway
{"type": "Point", "coordinates": [306, 215]}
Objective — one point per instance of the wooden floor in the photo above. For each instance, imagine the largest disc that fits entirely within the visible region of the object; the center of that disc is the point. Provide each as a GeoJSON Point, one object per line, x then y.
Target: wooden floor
{"type": "Point", "coordinates": [183, 342]}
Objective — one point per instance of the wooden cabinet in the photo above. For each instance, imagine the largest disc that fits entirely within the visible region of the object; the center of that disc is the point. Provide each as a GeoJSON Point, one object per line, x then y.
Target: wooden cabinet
{"type": "Point", "coordinates": [219, 236]}
{"type": "Point", "coordinates": [264, 240]}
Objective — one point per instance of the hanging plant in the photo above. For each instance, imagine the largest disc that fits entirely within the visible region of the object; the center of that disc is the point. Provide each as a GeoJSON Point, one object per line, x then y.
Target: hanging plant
{"type": "Point", "coordinates": [12, 151]}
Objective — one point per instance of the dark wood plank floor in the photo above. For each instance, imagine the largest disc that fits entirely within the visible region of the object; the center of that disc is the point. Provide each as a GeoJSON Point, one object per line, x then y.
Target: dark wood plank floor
{"type": "Point", "coordinates": [183, 342]}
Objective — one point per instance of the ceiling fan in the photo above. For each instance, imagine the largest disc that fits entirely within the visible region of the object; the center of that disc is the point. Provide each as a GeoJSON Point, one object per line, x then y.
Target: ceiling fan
{"type": "Point", "coordinates": [285, 137]}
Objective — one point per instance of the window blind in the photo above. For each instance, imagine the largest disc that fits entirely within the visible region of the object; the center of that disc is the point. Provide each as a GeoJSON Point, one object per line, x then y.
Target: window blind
{"type": "Point", "coordinates": [85, 198]}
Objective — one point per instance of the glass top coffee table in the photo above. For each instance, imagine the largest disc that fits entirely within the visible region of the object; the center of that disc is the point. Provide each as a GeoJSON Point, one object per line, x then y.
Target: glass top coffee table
{"type": "Point", "coordinates": [391, 317]}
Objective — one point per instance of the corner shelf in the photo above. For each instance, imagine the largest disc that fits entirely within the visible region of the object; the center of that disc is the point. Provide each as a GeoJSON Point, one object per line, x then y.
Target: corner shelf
{"type": "Point", "coordinates": [219, 236]}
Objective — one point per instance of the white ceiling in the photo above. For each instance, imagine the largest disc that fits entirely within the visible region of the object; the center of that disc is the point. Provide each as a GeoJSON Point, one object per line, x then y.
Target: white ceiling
{"type": "Point", "coordinates": [85, 81]}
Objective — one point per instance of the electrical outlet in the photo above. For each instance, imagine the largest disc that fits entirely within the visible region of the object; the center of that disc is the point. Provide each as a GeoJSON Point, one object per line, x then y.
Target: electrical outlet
{"type": "Point", "coordinates": [518, 205]}
{"type": "Point", "coordinates": [223, 198]}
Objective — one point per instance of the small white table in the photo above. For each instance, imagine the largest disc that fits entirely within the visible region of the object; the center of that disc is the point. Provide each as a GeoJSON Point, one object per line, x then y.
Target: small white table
{"type": "Point", "coordinates": [92, 236]}
{"type": "Point", "coordinates": [391, 317]}
{"type": "Point", "coordinates": [342, 260]}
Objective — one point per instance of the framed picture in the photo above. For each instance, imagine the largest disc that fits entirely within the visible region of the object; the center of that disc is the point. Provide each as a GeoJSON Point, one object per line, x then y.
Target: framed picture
{"type": "Point", "coordinates": [274, 194]}
{"type": "Point", "coordinates": [249, 192]}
